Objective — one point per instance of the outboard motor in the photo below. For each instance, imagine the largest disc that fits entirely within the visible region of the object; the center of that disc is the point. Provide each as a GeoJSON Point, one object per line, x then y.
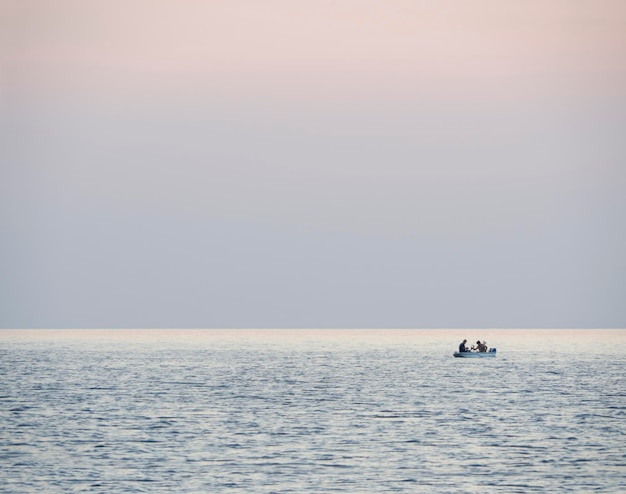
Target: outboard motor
{"type": "Point", "coordinates": [493, 350]}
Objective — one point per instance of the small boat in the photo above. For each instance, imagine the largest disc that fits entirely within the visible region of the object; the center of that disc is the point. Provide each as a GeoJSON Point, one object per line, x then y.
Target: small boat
{"type": "Point", "coordinates": [489, 353]}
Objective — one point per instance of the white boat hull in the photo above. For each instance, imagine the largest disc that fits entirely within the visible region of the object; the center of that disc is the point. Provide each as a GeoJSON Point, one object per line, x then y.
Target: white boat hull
{"type": "Point", "coordinates": [490, 353]}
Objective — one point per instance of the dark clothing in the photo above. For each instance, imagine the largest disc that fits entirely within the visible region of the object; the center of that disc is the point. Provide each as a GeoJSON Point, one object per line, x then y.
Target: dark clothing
{"type": "Point", "coordinates": [462, 348]}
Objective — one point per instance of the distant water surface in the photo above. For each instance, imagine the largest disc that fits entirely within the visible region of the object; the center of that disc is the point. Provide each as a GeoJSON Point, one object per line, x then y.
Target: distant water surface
{"type": "Point", "coordinates": [297, 411]}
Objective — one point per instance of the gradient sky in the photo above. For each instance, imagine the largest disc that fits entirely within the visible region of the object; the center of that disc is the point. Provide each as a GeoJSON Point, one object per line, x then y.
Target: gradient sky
{"type": "Point", "coordinates": [330, 163]}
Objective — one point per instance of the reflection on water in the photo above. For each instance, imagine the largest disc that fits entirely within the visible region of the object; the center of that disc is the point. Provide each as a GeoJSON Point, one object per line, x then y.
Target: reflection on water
{"type": "Point", "coordinates": [311, 411]}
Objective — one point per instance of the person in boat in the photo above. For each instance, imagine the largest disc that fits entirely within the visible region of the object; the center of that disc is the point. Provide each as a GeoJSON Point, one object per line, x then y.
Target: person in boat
{"type": "Point", "coordinates": [481, 347]}
{"type": "Point", "coordinates": [476, 347]}
{"type": "Point", "coordinates": [462, 347]}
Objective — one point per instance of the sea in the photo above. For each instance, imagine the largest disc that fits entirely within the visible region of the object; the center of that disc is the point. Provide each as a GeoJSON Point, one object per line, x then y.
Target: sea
{"type": "Point", "coordinates": [311, 411]}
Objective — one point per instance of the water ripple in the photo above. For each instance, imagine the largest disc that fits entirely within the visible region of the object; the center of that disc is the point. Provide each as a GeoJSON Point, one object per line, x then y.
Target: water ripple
{"type": "Point", "coordinates": [222, 415]}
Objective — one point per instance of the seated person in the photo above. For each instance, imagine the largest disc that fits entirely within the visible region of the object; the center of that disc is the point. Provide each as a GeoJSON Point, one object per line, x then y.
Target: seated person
{"type": "Point", "coordinates": [480, 347]}
{"type": "Point", "coordinates": [462, 347]}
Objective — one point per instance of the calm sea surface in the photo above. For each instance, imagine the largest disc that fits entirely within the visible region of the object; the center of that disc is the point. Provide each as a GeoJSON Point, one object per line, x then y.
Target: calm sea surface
{"type": "Point", "coordinates": [300, 411]}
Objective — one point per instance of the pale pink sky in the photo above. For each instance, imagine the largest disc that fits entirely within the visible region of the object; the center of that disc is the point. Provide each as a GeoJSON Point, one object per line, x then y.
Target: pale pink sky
{"type": "Point", "coordinates": [320, 49]}
{"type": "Point", "coordinates": [291, 163]}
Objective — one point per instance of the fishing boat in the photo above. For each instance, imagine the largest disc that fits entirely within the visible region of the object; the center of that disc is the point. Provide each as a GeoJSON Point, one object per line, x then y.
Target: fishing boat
{"type": "Point", "coordinates": [472, 354]}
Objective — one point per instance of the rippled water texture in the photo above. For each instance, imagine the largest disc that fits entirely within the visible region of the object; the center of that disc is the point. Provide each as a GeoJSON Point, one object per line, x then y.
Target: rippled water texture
{"type": "Point", "coordinates": [311, 411]}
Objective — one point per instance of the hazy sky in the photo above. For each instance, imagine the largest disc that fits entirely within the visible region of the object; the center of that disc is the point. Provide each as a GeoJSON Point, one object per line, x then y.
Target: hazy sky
{"type": "Point", "coordinates": [326, 163]}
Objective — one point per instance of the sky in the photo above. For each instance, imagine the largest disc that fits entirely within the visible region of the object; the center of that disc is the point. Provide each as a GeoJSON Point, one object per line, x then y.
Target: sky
{"type": "Point", "coordinates": [318, 164]}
